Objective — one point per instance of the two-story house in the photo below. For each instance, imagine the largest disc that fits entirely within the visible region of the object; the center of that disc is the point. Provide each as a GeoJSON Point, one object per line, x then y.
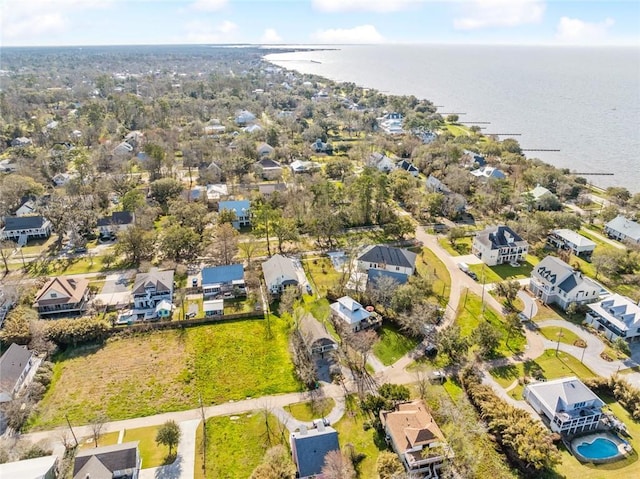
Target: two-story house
{"type": "Point", "coordinates": [153, 294]}
{"type": "Point", "coordinates": [554, 281]}
{"type": "Point", "coordinates": [566, 405]}
{"type": "Point", "coordinates": [309, 447]}
{"type": "Point", "coordinates": [242, 210]}
{"type": "Point", "coordinates": [617, 316]}
{"type": "Point", "coordinates": [571, 241]}
{"type": "Point", "coordinates": [499, 244]}
{"type": "Point", "coordinates": [354, 315]}
{"type": "Point", "coordinates": [416, 439]}
{"type": "Point", "coordinates": [225, 280]}
{"type": "Point", "coordinates": [381, 260]}
{"type": "Point", "coordinates": [110, 226]}
{"type": "Point", "coordinates": [622, 229]}
{"type": "Point", "coordinates": [15, 364]}
{"type": "Point", "coordinates": [25, 228]}
{"type": "Point", "coordinates": [279, 272]}
{"type": "Point", "coordinates": [62, 296]}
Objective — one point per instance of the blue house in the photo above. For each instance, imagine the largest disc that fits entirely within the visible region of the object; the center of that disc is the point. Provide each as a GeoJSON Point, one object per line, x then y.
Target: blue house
{"type": "Point", "coordinates": [242, 210]}
{"type": "Point", "coordinates": [310, 446]}
{"type": "Point", "coordinates": [223, 280]}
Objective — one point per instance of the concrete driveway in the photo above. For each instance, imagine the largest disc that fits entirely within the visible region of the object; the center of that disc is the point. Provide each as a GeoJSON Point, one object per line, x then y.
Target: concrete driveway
{"type": "Point", "coordinates": [184, 465]}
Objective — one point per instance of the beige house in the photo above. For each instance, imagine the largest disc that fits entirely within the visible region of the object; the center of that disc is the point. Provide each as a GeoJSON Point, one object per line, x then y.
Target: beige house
{"type": "Point", "coordinates": [62, 296]}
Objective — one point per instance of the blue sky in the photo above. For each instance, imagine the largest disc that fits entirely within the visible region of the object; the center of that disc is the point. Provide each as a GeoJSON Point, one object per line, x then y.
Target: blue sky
{"type": "Point", "coordinates": [109, 22]}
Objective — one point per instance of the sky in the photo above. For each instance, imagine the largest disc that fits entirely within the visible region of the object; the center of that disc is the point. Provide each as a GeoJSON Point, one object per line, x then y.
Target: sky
{"type": "Point", "coordinates": [131, 22]}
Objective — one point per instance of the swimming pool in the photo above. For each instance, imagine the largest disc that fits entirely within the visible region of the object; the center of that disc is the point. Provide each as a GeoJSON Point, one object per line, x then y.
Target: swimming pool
{"type": "Point", "coordinates": [599, 448]}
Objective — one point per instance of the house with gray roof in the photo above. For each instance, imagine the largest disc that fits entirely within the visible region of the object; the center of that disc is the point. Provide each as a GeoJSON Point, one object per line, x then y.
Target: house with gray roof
{"type": "Point", "coordinates": [25, 228]}
{"type": "Point", "coordinates": [242, 210]}
{"type": "Point", "coordinates": [356, 317]}
{"type": "Point", "coordinates": [119, 461]}
{"type": "Point", "coordinates": [381, 162]}
{"type": "Point", "coordinates": [622, 229]}
{"type": "Point", "coordinates": [151, 290]}
{"type": "Point", "coordinates": [279, 272]}
{"type": "Point", "coordinates": [15, 364]}
{"type": "Point", "coordinates": [397, 261]}
{"type": "Point", "coordinates": [489, 173]}
{"type": "Point", "coordinates": [617, 317]}
{"type": "Point", "coordinates": [269, 169]}
{"type": "Point", "coordinates": [310, 446]}
{"type": "Point", "coordinates": [571, 241]}
{"type": "Point", "coordinates": [45, 467]}
{"type": "Point", "coordinates": [566, 405]}
{"type": "Point", "coordinates": [499, 244]}
{"type": "Point", "coordinates": [554, 281]}
{"type": "Point", "coordinates": [542, 199]}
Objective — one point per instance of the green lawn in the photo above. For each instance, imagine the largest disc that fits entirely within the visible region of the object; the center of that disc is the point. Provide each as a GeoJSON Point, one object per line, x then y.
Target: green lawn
{"type": "Point", "coordinates": [469, 316]}
{"type": "Point", "coordinates": [152, 453]}
{"type": "Point", "coordinates": [548, 366]}
{"type": "Point", "coordinates": [566, 336]}
{"type": "Point", "coordinates": [370, 442]}
{"type": "Point", "coordinates": [167, 371]}
{"type": "Point", "coordinates": [392, 344]}
{"type": "Point", "coordinates": [570, 467]}
{"type": "Point", "coordinates": [236, 445]}
{"type": "Point", "coordinates": [429, 265]}
{"type": "Point", "coordinates": [501, 272]}
{"type": "Point", "coordinates": [461, 246]}
{"type": "Point", "coordinates": [106, 439]}
{"type": "Point", "coordinates": [322, 274]}
{"type": "Point", "coordinates": [308, 411]}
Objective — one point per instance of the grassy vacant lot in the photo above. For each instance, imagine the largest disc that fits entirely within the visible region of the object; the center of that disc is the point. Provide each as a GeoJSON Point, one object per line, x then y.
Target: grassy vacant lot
{"type": "Point", "coordinates": [501, 272]}
{"type": "Point", "coordinates": [236, 445]}
{"type": "Point", "coordinates": [566, 336]}
{"type": "Point", "coordinates": [570, 467]}
{"type": "Point", "coordinates": [461, 246]}
{"type": "Point", "coordinates": [322, 273]}
{"type": "Point", "coordinates": [469, 317]}
{"type": "Point", "coordinates": [392, 344]}
{"type": "Point", "coordinates": [152, 453]}
{"type": "Point", "coordinates": [430, 266]}
{"type": "Point", "coordinates": [167, 370]}
{"type": "Point", "coordinates": [370, 442]}
{"type": "Point", "coordinates": [308, 411]}
{"type": "Point", "coordinates": [548, 366]}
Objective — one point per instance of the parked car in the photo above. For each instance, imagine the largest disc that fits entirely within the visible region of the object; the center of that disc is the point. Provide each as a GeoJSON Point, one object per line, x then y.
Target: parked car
{"type": "Point", "coordinates": [430, 350]}
{"type": "Point", "coordinates": [523, 317]}
{"type": "Point", "coordinates": [194, 282]}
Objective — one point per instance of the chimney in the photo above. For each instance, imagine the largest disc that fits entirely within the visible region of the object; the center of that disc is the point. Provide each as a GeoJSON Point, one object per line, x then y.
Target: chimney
{"type": "Point", "coordinates": [303, 430]}
{"type": "Point", "coordinates": [319, 425]}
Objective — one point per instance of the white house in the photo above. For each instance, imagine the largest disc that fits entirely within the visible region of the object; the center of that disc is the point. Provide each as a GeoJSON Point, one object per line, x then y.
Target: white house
{"type": "Point", "coordinates": [499, 244]}
{"type": "Point", "coordinates": [244, 117]}
{"type": "Point", "coordinates": [354, 314]}
{"type": "Point", "coordinates": [270, 169]}
{"type": "Point", "coordinates": [554, 281]}
{"type": "Point", "coordinates": [416, 439]}
{"type": "Point", "coordinates": [21, 142]}
{"type": "Point", "coordinates": [408, 167]}
{"type": "Point", "coordinates": [62, 179]}
{"type": "Point", "coordinates": [400, 263]}
{"type": "Point", "coordinates": [25, 228]}
{"type": "Point", "coordinates": [434, 185]}
{"type": "Point", "coordinates": [566, 405]}
{"type": "Point", "coordinates": [279, 272]}
{"type": "Point", "coordinates": [213, 307]}
{"type": "Point", "coordinates": [488, 173]}
{"type": "Point", "coordinates": [571, 241]}
{"type": "Point", "coordinates": [264, 149]}
{"type": "Point", "coordinates": [15, 364]}
{"type": "Point", "coordinates": [45, 467]}
{"type": "Point", "coordinates": [299, 166]}
{"type": "Point", "coordinates": [27, 208]}
{"type": "Point", "coordinates": [151, 290]}
{"type": "Point", "coordinates": [617, 316]}
{"type": "Point", "coordinates": [621, 228]}
{"type": "Point", "coordinates": [382, 162]}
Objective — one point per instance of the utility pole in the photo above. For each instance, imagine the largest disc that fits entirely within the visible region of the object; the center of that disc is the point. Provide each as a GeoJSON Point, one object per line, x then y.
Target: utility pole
{"type": "Point", "coordinates": [204, 437]}
{"type": "Point", "coordinates": [483, 290]}
{"type": "Point", "coordinates": [71, 429]}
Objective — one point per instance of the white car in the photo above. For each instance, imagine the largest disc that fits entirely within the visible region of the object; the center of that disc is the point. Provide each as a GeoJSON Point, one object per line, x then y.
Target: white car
{"type": "Point", "coordinates": [523, 317]}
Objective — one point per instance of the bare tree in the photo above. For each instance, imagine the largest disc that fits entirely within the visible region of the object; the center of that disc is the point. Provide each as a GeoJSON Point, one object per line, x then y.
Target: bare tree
{"type": "Point", "coordinates": [338, 466]}
{"type": "Point", "coordinates": [97, 425]}
{"type": "Point", "coordinates": [6, 248]}
{"type": "Point", "coordinates": [224, 246]}
{"type": "Point", "coordinates": [248, 249]}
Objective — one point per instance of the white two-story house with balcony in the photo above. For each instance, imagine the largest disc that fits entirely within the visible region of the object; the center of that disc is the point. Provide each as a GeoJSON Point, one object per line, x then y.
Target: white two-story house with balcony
{"type": "Point", "coordinates": [566, 405]}
{"type": "Point", "coordinates": [555, 282]}
{"type": "Point", "coordinates": [617, 317]}
{"type": "Point", "coordinates": [153, 294]}
{"type": "Point", "coordinates": [499, 244]}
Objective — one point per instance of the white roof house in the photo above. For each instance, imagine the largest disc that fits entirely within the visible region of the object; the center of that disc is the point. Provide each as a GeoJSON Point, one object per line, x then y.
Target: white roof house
{"type": "Point", "coordinates": [279, 272]}
{"type": "Point", "coordinates": [45, 467]}
{"type": "Point", "coordinates": [617, 316]}
{"type": "Point", "coordinates": [622, 229]}
{"type": "Point", "coordinates": [351, 312]}
{"type": "Point", "coordinates": [570, 240]}
{"type": "Point", "coordinates": [567, 404]}
{"type": "Point", "coordinates": [488, 172]}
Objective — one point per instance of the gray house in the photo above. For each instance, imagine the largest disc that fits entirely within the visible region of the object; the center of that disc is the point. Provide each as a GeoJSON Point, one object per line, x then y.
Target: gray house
{"type": "Point", "coordinates": [15, 364]}
{"type": "Point", "coordinates": [310, 446]}
{"type": "Point", "coordinates": [279, 272]}
{"type": "Point", "coordinates": [120, 461]}
{"type": "Point", "coordinates": [621, 228]}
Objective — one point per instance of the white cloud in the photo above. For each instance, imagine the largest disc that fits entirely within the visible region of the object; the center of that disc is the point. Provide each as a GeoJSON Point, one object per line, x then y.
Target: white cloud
{"type": "Point", "coordinates": [200, 31]}
{"type": "Point", "coordinates": [574, 30]}
{"type": "Point", "coordinates": [381, 6]}
{"type": "Point", "coordinates": [499, 13]}
{"type": "Point", "coordinates": [270, 35]}
{"type": "Point", "coordinates": [359, 34]}
{"type": "Point", "coordinates": [209, 5]}
{"type": "Point", "coordinates": [23, 22]}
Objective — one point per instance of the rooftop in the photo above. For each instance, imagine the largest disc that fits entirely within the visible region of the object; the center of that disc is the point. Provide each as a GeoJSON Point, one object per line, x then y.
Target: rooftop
{"type": "Point", "coordinates": [29, 468]}
{"type": "Point", "coordinates": [12, 364]}
{"type": "Point", "coordinates": [501, 236]}
{"type": "Point", "coordinates": [561, 394]}
{"type": "Point", "coordinates": [619, 310]}
{"type": "Point", "coordinates": [312, 446]}
{"type": "Point", "coordinates": [574, 238]}
{"type": "Point", "coordinates": [222, 274]}
{"type": "Point", "coordinates": [388, 255]}
{"type": "Point", "coordinates": [625, 226]}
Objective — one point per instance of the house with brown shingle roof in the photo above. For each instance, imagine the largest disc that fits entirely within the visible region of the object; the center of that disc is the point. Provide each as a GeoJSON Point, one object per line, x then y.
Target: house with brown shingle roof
{"type": "Point", "coordinates": [62, 296]}
{"type": "Point", "coordinates": [416, 438]}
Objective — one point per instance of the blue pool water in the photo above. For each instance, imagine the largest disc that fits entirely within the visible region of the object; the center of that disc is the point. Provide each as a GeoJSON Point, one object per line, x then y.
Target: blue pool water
{"type": "Point", "coordinates": [601, 448]}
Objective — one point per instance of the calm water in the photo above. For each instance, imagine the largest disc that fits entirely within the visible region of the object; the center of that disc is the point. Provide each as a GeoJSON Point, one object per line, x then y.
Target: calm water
{"type": "Point", "coordinates": [582, 101]}
{"type": "Point", "coordinates": [599, 449]}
